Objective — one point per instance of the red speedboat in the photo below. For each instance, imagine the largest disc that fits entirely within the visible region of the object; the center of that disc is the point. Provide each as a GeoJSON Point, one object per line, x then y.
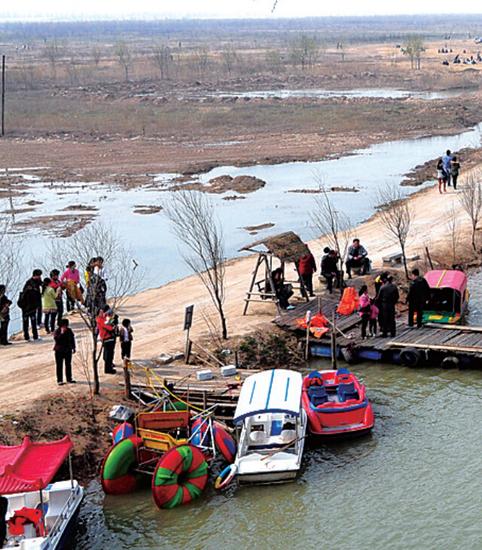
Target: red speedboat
{"type": "Point", "coordinates": [336, 403]}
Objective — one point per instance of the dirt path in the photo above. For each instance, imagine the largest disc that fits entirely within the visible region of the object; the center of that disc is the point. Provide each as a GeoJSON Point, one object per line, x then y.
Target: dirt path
{"type": "Point", "coordinates": [157, 314]}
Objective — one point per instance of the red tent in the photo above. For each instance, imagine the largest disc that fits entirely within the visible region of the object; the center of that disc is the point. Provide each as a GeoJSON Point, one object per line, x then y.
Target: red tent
{"type": "Point", "coordinates": [31, 466]}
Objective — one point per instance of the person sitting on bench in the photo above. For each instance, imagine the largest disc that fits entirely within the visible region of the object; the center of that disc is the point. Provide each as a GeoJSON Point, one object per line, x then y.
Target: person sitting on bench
{"type": "Point", "coordinates": [283, 291]}
{"type": "Point", "coordinates": [329, 268]}
{"type": "Point", "coordinates": [357, 257]}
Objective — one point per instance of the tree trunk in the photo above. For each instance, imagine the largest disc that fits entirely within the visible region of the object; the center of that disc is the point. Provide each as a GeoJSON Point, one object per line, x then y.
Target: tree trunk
{"type": "Point", "coordinates": [95, 364]}
{"type": "Point", "coordinates": [126, 68]}
{"type": "Point", "coordinates": [404, 259]}
{"type": "Point", "coordinates": [474, 229]}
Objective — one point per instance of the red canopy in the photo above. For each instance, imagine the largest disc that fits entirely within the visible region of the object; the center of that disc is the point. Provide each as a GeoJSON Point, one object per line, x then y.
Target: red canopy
{"type": "Point", "coordinates": [31, 466]}
{"type": "Point", "coordinates": [447, 278]}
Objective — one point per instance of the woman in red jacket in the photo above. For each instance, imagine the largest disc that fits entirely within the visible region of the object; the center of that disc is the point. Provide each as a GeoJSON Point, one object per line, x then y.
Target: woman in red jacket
{"type": "Point", "coordinates": [107, 327]}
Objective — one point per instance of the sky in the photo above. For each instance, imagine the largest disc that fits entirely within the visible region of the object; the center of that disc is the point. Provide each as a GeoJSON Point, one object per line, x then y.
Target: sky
{"type": "Point", "coordinates": [114, 9]}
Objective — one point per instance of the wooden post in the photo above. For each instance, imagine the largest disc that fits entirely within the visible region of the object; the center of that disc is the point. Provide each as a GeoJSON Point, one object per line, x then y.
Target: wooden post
{"type": "Point", "coordinates": [333, 343]}
{"type": "Point", "coordinates": [188, 316]}
{"type": "Point", "coordinates": [308, 326]}
{"type": "Point", "coordinates": [251, 286]}
{"type": "Point", "coordinates": [3, 95]}
{"type": "Point", "coordinates": [127, 379]}
{"type": "Point", "coordinates": [428, 257]}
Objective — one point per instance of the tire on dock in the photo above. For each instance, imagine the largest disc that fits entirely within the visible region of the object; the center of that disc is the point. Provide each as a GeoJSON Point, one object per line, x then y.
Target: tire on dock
{"type": "Point", "coordinates": [411, 357]}
{"type": "Point", "coordinates": [349, 355]}
{"type": "Point", "coordinates": [450, 362]}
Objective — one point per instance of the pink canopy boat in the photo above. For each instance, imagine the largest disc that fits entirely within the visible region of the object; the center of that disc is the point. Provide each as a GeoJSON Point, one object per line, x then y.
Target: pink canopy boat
{"type": "Point", "coordinates": [449, 296]}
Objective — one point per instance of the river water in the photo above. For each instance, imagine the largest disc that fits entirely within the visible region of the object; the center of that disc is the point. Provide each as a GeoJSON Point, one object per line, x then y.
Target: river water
{"type": "Point", "coordinates": [150, 236]}
{"type": "Point", "coordinates": [414, 483]}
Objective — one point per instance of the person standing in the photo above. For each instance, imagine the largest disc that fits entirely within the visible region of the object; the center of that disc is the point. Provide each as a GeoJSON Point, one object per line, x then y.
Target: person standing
{"type": "Point", "coordinates": [126, 337]}
{"type": "Point", "coordinates": [329, 268]}
{"type": "Point", "coordinates": [447, 161]}
{"type": "Point", "coordinates": [64, 348]}
{"type": "Point", "coordinates": [455, 167]}
{"type": "Point", "coordinates": [5, 304]}
{"type": "Point", "coordinates": [71, 279]}
{"type": "Point", "coordinates": [59, 297]}
{"type": "Point", "coordinates": [306, 267]}
{"type": "Point", "coordinates": [388, 297]}
{"type": "Point", "coordinates": [417, 298]}
{"type": "Point", "coordinates": [374, 311]}
{"type": "Point", "coordinates": [364, 310]}
{"type": "Point", "coordinates": [49, 306]}
{"type": "Point", "coordinates": [106, 325]}
{"type": "Point", "coordinates": [30, 302]}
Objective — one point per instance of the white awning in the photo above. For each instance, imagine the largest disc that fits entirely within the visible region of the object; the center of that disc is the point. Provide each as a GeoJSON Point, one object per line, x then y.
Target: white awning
{"type": "Point", "coordinates": [276, 390]}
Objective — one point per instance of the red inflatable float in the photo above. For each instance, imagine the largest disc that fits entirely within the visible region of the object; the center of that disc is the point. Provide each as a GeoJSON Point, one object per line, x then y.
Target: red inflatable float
{"type": "Point", "coordinates": [180, 477]}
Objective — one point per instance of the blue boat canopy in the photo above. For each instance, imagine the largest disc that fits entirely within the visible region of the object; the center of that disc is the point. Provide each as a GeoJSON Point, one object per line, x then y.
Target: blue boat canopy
{"type": "Point", "coordinates": [272, 391]}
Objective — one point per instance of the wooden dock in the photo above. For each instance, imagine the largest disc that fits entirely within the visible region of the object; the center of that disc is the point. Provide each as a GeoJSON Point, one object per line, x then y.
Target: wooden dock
{"type": "Point", "coordinates": [433, 344]}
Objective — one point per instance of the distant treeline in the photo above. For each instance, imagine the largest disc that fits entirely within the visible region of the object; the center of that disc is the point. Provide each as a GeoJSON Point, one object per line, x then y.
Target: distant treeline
{"type": "Point", "coordinates": [359, 29]}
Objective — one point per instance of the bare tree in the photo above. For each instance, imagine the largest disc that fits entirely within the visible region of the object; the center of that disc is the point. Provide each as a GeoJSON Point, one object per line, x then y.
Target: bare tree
{"type": "Point", "coordinates": [452, 226]}
{"type": "Point", "coordinates": [10, 254]}
{"type": "Point", "coordinates": [413, 49]}
{"type": "Point", "coordinates": [471, 201]}
{"type": "Point", "coordinates": [124, 57]}
{"type": "Point", "coordinates": [334, 225]}
{"type": "Point", "coordinates": [229, 57]}
{"type": "Point", "coordinates": [53, 51]}
{"type": "Point", "coordinates": [96, 55]}
{"type": "Point", "coordinates": [396, 217]}
{"type": "Point", "coordinates": [304, 51]}
{"type": "Point", "coordinates": [192, 217]}
{"type": "Point", "coordinates": [121, 280]}
{"type": "Point", "coordinates": [202, 60]}
{"type": "Point", "coordinates": [162, 59]}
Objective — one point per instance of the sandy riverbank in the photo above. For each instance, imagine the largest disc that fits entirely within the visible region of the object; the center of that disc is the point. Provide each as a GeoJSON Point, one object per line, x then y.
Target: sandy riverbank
{"type": "Point", "coordinates": [157, 314]}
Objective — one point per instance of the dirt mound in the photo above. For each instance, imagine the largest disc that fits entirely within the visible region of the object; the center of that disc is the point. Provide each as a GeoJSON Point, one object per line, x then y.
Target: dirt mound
{"type": "Point", "coordinates": [239, 184]}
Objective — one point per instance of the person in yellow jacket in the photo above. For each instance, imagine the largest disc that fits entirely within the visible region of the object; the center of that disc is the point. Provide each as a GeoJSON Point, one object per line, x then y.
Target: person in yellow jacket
{"type": "Point", "coordinates": [49, 305]}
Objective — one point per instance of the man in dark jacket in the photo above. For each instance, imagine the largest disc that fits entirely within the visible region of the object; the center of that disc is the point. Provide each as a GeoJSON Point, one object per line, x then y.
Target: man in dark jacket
{"type": "Point", "coordinates": [329, 268]}
{"type": "Point", "coordinates": [357, 257]}
{"type": "Point", "coordinates": [306, 266]}
{"type": "Point", "coordinates": [388, 297]}
{"type": "Point", "coordinates": [29, 302]}
{"type": "Point", "coordinates": [417, 297]}
{"type": "Point", "coordinates": [64, 348]}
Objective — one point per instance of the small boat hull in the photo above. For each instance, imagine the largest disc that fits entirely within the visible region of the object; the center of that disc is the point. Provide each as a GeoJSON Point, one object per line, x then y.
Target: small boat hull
{"type": "Point", "coordinates": [335, 415]}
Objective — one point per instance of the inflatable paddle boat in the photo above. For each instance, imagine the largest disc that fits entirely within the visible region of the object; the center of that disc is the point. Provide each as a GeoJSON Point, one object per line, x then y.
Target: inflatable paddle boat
{"type": "Point", "coordinates": [336, 404]}
{"type": "Point", "coordinates": [449, 296]}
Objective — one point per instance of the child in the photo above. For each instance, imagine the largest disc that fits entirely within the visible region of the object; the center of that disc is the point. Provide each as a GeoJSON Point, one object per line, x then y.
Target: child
{"type": "Point", "coordinates": [374, 311]}
{"type": "Point", "coordinates": [126, 338]}
{"type": "Point", "coordinates": [441, 176]}
{"type": "Point", "coordinates": [365, 309]}
{"type": "Point", "coordinates": [49, 306]}
{"type": "Point", "coordinates": [64, 348]}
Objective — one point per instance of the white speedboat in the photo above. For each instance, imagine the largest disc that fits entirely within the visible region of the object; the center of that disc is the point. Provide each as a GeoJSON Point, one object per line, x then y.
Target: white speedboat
{"type": "Point", "coordinates": [39, 514]}
{"type": "Point", "coordinates": [273, 427]}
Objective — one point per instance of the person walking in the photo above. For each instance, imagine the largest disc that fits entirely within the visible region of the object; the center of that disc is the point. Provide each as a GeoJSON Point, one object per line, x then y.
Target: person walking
{"type": "Point", "coordinates": [64, 348]}
{"type": "Point", "coordinates": [49, 306]}
{"type": "Point", "coordinates": [417, 298]}
{"type": "Point", "coordinates": [364, 310]}
{"type": "Point", "coordinates": [5, 304]}
{"type": "Point", "coordinates": [455, 168]}
{"type": "Point", "coordinates": [126, 337]}
{"type": "Point", "coordinates": [30, 302]}
{"type": "Point", "coordinates": [71, 280]}
{"type": "Point", "coordinates": [388, 297]}
{"type": "Point", "coordinates": [106, 325]}
{"type": "Point", "coordinates": [306, 267]}
{"type": "Point", "coordinates": [447, 161]}
{"type": "Point", "coordinates": [441, 177]}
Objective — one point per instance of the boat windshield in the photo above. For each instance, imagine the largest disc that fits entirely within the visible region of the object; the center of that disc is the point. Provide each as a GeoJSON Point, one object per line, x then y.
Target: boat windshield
{"type": "Point", "coordinates": [444, 299]}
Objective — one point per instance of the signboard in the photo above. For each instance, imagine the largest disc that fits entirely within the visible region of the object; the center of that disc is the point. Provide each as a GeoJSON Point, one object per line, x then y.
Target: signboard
{"type": "Point", "coordinates": [188, 314]}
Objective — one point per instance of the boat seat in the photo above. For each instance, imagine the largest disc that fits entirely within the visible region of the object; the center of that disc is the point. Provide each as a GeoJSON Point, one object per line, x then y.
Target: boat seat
{"type": "Point", "coordinates": [317, 395]}
{"type": "Point", "coordinates": [347, 391]}
{"type": "Point", "coordinates": [276, 427]}
{"type": "Point", "coordinates": [58, 496]}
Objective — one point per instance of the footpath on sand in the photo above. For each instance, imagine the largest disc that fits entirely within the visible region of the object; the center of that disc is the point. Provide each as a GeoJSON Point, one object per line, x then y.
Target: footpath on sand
{"type": "Point", "coordinates": [28, 370]}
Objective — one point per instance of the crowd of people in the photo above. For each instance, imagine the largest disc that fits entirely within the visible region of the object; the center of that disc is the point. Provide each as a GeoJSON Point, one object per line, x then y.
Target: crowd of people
{"type": "Point", "coordinates": [43, 302]}
{"type": "Point", "coordinates": [448, 169]}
